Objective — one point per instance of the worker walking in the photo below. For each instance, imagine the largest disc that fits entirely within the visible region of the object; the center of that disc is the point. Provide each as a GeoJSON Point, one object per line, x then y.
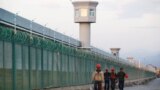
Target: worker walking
{"type": "Point", "coordinates": [106, 80]}
{"type": "Point", "coordinates": [121, 78]}
{"type": "Point", "coordinates": [113, 79]}
{"type": "Point", "coordinates": [98, 78]}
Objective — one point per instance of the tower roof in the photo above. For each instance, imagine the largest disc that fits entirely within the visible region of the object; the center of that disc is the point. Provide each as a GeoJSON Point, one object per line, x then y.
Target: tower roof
{"type": "Point", "coordinates": [115, 49]}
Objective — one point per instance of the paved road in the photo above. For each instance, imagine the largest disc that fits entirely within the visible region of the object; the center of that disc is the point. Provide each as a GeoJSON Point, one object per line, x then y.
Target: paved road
{"type": "Point", "coordinates": [153, 85]}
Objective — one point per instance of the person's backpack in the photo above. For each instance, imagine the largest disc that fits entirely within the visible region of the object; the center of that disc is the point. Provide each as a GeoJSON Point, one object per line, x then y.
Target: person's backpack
{"type": "Point", "coordinates": [98, 76]}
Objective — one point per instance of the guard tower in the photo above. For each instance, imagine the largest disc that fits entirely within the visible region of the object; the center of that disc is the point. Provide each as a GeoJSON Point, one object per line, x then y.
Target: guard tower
{"type": "Point", "coordinates": [115, 51]}
{"type": "Point", "coordinates": [84, 14]}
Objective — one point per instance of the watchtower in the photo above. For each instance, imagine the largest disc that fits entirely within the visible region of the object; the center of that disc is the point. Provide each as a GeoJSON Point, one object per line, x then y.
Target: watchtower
{"type": "Point", "coordinates": [84, 14]}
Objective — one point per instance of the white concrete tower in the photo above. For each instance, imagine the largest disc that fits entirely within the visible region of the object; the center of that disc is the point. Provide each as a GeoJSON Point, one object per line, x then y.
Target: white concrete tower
{"type": "Point", "coordinates": [84, 14]}
{"type": "Point", "coordinates": [115, 51]}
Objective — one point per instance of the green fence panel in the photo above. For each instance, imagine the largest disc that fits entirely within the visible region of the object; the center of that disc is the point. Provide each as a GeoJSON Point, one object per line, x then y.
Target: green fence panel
{"type": "Point", "coordinates": [18, 64]}
{"type": "Point", "coordinates": [39, 68]}
{"type": "Point", "coordinates": [8, 82]}
{"type": "Point", "coordinates": [33, 69]}
{"type": "Point", "coordinates": [55, 69]}
{"type": "Point", "coordinates": [25, 60]}
{"type": "Point", "coordinates": [45, 68]}
{"type": "Point", "coordinates": [50, 84]}
{"type": "Point", "coordinates": [1, 66]}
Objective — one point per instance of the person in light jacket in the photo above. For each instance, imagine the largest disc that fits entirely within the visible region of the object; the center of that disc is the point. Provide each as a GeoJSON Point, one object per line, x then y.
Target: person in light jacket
{"type": "Point", "coordinates": [98, 78]}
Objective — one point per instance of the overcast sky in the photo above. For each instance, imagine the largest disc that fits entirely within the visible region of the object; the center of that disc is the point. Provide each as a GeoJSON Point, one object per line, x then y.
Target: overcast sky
{"type": "Point", "coordinates": [132, 25]}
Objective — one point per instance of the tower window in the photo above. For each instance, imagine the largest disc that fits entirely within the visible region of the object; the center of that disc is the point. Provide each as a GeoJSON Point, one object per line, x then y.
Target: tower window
{"type": "Point", "coordinates": [92, 12]}
{"type": "Point", "coordinates": [77, 13]}
{"type": "Point", "coordinates": [84, 12]}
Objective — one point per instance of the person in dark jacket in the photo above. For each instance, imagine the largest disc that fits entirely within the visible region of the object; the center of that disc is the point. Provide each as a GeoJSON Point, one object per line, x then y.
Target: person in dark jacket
{"type": "Point", "coordinates": [121, 78]}
{"type": "Point", "coordinates": [106, 79]}
{"type": "Point", "coordinates": [113, 78]}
